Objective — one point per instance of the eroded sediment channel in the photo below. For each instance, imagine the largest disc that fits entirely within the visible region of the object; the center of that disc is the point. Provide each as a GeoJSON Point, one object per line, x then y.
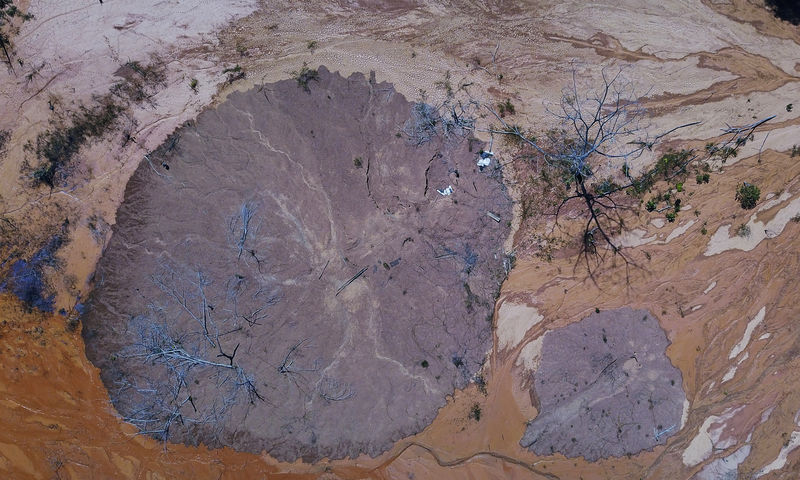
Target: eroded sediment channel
{"type": "Point", "coordinates": [222, 312]}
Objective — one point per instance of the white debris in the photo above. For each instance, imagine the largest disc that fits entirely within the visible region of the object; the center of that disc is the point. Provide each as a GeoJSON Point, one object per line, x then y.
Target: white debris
{"type": "Point", "coordinates": [446, 192]}
{"type": "Point", "coordinates": [485, 159]}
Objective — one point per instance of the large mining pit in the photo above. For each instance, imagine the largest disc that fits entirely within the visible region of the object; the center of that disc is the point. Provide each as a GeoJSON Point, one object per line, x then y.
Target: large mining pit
{"type": "Point", "coordinates": [283, 275]}
{"type": "Point", "coordinates": [605, 387]}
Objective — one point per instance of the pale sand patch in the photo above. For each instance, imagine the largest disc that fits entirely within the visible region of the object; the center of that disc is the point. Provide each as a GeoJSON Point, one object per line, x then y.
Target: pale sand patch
{"type": "Point", "coordinates": [679, 231]}
{"type": "Point", "coordinates": [765, 336]}
{"type": "Point", "coordinates": [634, 238]}
{"type": "Point", "coordinates": [722, 241]}
{"type": "Point", "coordinates": [513, 321]}
{"type": "Point", "coordinates": [674, 25]}
{"type": "Point", "coordinates": [726, 467]}
{"type": "Point", "coordinates": [531, 354]}
{"type": "Point", "coordinates": [729, 374]}
{"type": "Point", "coordinates": [685, 413]}
{"type": "Point", "coordinates": [709, 288]}
{"type": "Point", "coordinates": [748, 332]}
{"type": "Point", "coordinates": [696, 308]}
{"type": "Point", "coordinates": [700, 447]}
{"type": "Point", "coordinates": [780, 461]}
{"type": "Point", "coordinates": [732, 372]}
{"type": "Point", "coordinates": [716, 113]}
{"type": "Point", "coordinates": [708, 438]}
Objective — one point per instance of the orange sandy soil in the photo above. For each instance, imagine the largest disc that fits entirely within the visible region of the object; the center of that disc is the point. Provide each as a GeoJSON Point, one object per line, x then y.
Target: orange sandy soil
{"type": "Point", "coordinates": [703, 60]}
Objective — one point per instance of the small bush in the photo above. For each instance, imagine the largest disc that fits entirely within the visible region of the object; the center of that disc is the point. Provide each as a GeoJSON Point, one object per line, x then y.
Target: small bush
{"type": "Point", "coordinates": [4, 136]}
{"type": "Point", "coordinates": [506, 108]}
{"type": "Point", "coordinates": [672, 163]}
{"type": "Point", "coordinates": [703, 178]}
{"type": "Point", "coordinates": [56, 148]}
{"type": "Point", "coordinates": [475, 412]}
{"type": "Point", "coordinates": [743, 231]}
{"type": "Point", "coordinates": [357, 162]}
{"type": "Point", "coordinates": [193, 85]}
{"type": "Point", "coordinates": [234, 73]}
{"type": "Point", "coordinates": [747, 195]}
{"type": "Point", "coordinates": [139, 82]}
{"type": "Point", "coordinates": [304, 76]}
{"type": "Point", "coordinates": [671, 216]}
{"type": "Point", "coordinates": [650, 205]}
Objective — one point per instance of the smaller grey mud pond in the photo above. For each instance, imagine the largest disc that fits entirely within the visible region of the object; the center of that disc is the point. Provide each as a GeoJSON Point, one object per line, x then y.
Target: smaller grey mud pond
{"type": "Point", "coordinates": [284, 276]}
{"type": "Point", "coordinates": [605, 387]}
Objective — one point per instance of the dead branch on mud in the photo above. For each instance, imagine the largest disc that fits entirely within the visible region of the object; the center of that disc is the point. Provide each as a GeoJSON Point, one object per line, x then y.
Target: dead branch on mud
{"type": "Point", "coordinates": [452, 117]}
{"type": "Point", "coordinates": [597, 127]}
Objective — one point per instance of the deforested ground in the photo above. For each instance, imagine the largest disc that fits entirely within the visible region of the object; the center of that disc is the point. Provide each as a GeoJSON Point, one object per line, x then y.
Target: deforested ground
{"type": "Point", "coordinates": [286, 274]}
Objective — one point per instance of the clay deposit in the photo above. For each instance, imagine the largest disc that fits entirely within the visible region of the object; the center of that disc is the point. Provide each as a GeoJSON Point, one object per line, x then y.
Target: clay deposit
{"type": "Point", "coordinates": [604, 387]}
{"type": "Point", "coordinates": [288, 262]}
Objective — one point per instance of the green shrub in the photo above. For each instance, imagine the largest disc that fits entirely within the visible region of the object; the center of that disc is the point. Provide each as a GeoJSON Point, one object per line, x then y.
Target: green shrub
{"type": "Point", "coordinates": [506, 108]}
{"type": "Point", "coordinates": [650, 205]}
{"type": "Point", "coordinates": [747, 195]}
{"type": "Point", "coordinates": [304, 76]}
{"type": "Point", "coordinates": [671, 216]}
{"type": "Point", "coordinates": [672, 163]}
{"type": "Point", "coordinates": [475, 412]}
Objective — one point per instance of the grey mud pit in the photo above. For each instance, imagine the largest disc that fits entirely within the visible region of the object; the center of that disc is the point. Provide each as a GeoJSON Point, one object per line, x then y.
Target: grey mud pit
{"type": "Point", "coordinates": [219, 314]}
{"type": "Point", "coordinates": [605, 387]}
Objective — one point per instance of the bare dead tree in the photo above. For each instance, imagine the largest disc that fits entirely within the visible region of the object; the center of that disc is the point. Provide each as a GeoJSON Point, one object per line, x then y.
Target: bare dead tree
{"type": "Point", "coordinates": [334, 390]}
{"type": "Point", "coordinates": [598, 128]}
{"type": "Point", "coordinates": [293, 372]}
{"type": "Point", "coordinates": [162, 401]}
{"type": "Point", "coordinates": [453, 117]}
{"type": "Point", "coordinates": [240, 226]}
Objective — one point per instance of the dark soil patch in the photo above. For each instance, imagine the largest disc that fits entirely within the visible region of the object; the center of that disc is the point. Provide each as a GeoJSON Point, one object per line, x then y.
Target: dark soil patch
{"type": "Point", "coordinates": [219, 314]}
{"type": "Point", "coordinates": [788, 10]}
{"type": "Point", "coordinates": [605, 387]}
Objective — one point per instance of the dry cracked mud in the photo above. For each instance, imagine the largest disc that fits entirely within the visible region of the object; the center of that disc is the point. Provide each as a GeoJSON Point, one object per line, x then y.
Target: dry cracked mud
{"type": "Point", "coordinates": [223, 314]}
{"type": "Point", "coordinates": [605, 387]}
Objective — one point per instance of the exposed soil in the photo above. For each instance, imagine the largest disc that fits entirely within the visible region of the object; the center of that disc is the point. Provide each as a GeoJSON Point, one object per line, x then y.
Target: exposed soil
{"type": "Point", "coordinates": [222, 313]}
{"type": "Point", "coordinates": [728, 304]}
{"type": "Point", "coordinates": [605, 387]}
